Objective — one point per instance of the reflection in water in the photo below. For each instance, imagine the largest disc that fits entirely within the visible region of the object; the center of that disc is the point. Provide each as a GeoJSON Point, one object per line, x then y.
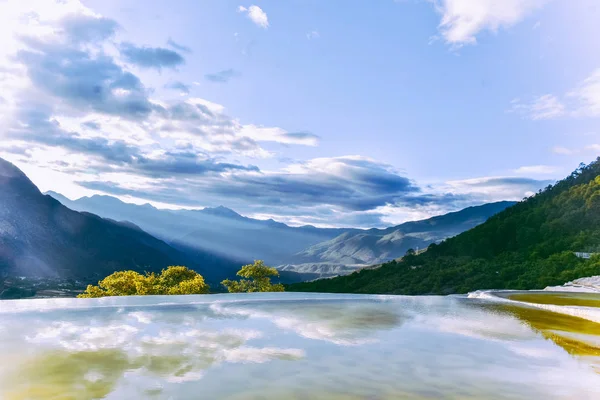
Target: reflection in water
{"type": "Point", "coordinates": [578, 336]}
{"type": "Point", "coordinates": [340, 322]}
{"type": "Point", "coordinates": [293, 346]}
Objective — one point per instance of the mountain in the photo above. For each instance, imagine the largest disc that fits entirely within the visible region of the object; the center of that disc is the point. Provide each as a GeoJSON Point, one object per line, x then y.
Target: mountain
{"type": "Point", "coordinates": [304, 252]}
{"type": "Point", "coordinates": [217, 230]}
{"type": "Point", "coordinates": [530, 245]}
{"type": "Point", "coordinates": [40, 237]}
{"type": "Point", "coordinates": [379, 245]}
{"type": "Point", "coordinates": [311, 271]}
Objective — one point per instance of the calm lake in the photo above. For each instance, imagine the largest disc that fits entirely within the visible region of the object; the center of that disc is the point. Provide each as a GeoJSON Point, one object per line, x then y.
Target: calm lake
{"type": "Point", "coordinates": [508, 345]}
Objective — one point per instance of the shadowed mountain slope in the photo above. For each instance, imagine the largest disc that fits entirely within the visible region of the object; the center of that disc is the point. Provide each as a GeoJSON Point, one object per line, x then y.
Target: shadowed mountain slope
{"type": "Point", "coordinates": [217, 230]}
{"type": "Point", "coordinates": [40, 237]}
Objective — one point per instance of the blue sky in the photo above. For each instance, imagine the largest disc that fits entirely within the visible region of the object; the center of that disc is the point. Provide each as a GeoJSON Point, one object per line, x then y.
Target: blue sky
{"type": "Point", "coordinates": [334, 113]}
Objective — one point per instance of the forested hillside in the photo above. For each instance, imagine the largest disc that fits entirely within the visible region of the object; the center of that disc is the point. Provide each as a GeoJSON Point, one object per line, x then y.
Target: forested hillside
{"type": "Point", "coordinates": [375, 246]}
{"type": "Point", "coordinates": [529, 245]}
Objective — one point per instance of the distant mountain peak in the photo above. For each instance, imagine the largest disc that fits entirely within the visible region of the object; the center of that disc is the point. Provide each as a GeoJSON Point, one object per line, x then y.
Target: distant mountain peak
{"type": "Point", "coordinates": [104, 197]}
{"type": "Point", "coordinates": [57, 196]}
{"type": "Point", "coordinates": [9, 170]}
{"type": "Point", "coordinates": [19, 183]}
{"type": "Point", "coordinates": [221, 211]}
{"type": "Point", "coordinates": [41, 237]}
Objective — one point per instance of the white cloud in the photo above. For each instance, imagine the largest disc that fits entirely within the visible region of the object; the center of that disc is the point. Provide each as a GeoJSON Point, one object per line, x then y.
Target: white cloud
{"type": "Point", "coordinates": [497, 188]}
{"type": "Point", "coordinates": [546, 106]}
{"type": "Point", "coordinates": [562, 150]}
{"type": "Point", "coordinates": [313, 35]}
{"type": "Point", "coordinates": [169, 150]}
{"type": "Point", "coordinates": [536, 170]}
{"type": "Point", "coordinates": [583, 101]}
{"type": "Point", "coordinates": [256, 14]}
{"type": "Point", "coordinates": [587, 96]}
{"type": "Point", "coordinates": [274, 134]}
{"type": "Point", "coordinates": [570, 151]}
{"type": "Point", "coordinates": [463, 20]}
{"type": "Point", "coordinates": [69, 34]}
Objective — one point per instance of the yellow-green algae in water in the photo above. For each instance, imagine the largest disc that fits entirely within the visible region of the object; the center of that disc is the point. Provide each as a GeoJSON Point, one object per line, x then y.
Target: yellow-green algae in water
{"type": "Point", "coordinates": [557, 326]}
{"type": "Point", "coordinates": [68, 375]}
{"type": "Point", "coordinates": [559, 299]}
{"type": "Point", "coordinates": [62, 375]}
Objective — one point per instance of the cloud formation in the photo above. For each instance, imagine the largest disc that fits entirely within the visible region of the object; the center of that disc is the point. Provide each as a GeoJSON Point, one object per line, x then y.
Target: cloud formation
{"type": "Point", "coordinates": [587, 96]}
{"type": "Point", "coordinates": [350, 183]}
{"type": "Point", "coordinates": [177, 46]}
{"type": "Point", "coordinates": [68, 94]}
{"type": "Point", "coordinates": [82, 80]}
{"type": "Point", "coordinates": [222, 76]}
{"type": "Point", "coordinates": [582, 101]}
{"type": "Point", "coordinates": [39, 128]}
{"type": "Point", "coordinates": [463, 20]}
{"type": "Point", "coordinates": [180, 86]}
{"type": "Point", "coordinates": [340, 191]}
{"type": "Point", "coordinates": [88, 28]}
{"type": "Point", "coordinates": [256, 15]}
{"type": "Point", "coordinates": [537, 170]}
{"type": "Point", "coordinates": [498, 188]}
{"type": "Point", "coordinates": [74, 100]}
{"type": "Point", "coordinates": [568, 151]}
{"type": "Point", "coordinates": [546, 106]}
{"type": "Point", "coordinates": [314, 34]}
{"type": "Point", "coordinates": [151, 57]}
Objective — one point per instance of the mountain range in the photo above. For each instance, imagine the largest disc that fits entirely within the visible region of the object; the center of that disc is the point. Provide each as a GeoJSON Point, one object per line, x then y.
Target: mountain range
{"type": "Point", "coordinates": [40, 237]}
{"type": "Point", "coordinates": [533, 244]}
{"type": "Point", "coordinates": [218, 230]}
{"type": "Point", "coordinates": [49, 235]}
{"type": "Point", "coordinates": [300, 253]}
{"type": "Point", "coordinates": [375, 246]}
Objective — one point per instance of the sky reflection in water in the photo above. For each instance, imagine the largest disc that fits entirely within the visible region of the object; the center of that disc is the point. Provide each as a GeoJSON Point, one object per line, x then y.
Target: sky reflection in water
{"type": "Point", "coordinates": [288, 346]}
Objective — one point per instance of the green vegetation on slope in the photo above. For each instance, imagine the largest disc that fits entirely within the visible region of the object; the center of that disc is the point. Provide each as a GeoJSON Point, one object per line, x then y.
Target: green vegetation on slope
{"type": "Point", "coordinates": [527, 246]}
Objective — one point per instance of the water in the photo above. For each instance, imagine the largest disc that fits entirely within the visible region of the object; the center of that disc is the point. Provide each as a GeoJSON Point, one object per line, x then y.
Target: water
{"type": "Point", "coordinates": [298, 346]}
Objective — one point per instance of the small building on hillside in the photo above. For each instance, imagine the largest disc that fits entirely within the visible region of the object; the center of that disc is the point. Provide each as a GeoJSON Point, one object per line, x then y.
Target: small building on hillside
{"type": "Point", "coordinates": [584, 255]}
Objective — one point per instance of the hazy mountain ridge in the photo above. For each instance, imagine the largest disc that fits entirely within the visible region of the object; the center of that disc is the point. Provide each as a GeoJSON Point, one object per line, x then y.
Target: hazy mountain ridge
{"type": "Point", "coordinates": [379, 245]}
{"type": "Point", "coordinates": [217, 230]}
{"type": "Point", "coordinates": [40, 237]}
{"type": "Point", "coordinates": [304, 252]}
{"type": "Point", "coordinates": [319, 270]}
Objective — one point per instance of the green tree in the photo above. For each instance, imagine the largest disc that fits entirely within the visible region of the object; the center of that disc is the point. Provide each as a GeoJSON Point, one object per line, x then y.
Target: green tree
{"type": "Point", "coordinates": [258, 279]}
{"type": "Point", "coordinates": [173, 280]}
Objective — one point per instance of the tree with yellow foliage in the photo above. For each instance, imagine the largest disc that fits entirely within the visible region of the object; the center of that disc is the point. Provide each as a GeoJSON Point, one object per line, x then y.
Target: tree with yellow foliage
{"type": "Point", "coordinates": [258, 279]}
{"type": "Point", "coordinates": [173, 280]}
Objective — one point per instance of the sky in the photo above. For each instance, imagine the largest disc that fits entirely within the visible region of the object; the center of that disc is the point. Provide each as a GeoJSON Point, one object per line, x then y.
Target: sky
{"type": "Point", "coordinates": [333, 113]}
